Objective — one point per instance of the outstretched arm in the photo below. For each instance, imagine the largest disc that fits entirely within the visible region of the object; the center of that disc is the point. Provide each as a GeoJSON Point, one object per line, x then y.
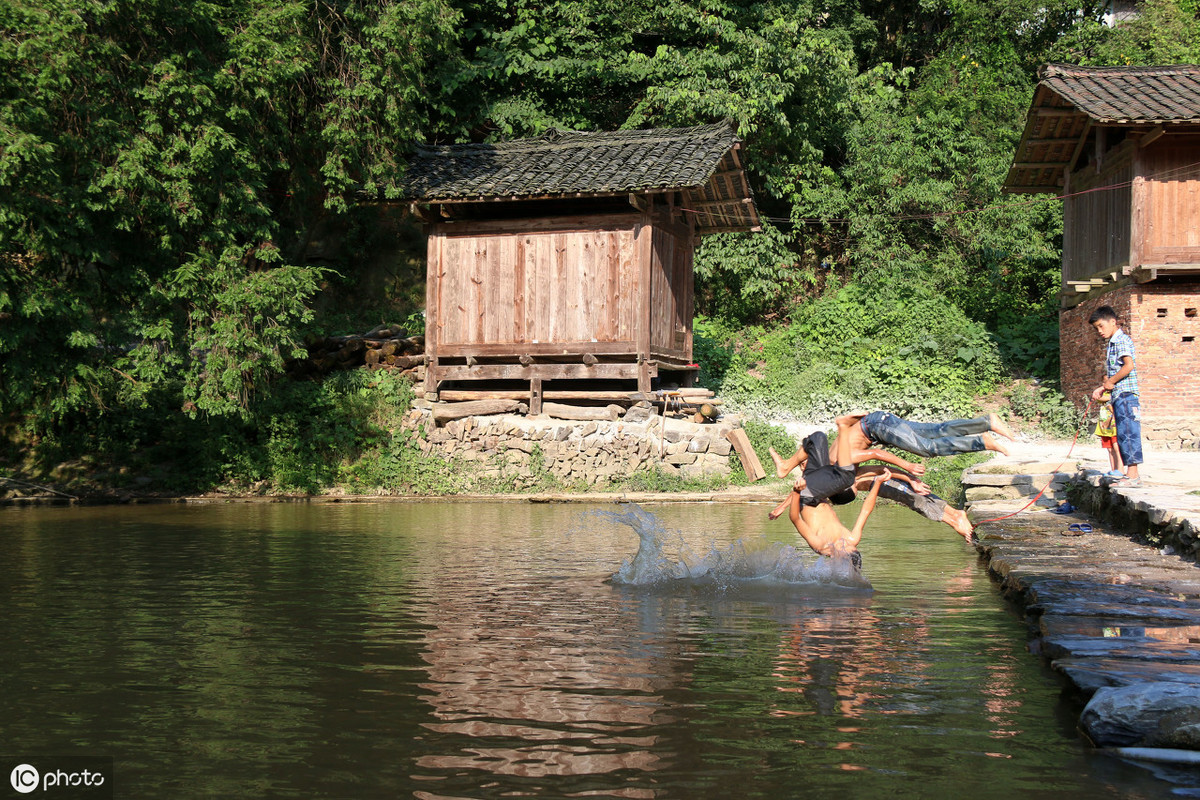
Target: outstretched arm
{"type": "Point", "coordinates": [865, 475]}
{"type": "Point", "coordinates": [875, 454]}
{"type": "Point", "coordinates": [868, 506]}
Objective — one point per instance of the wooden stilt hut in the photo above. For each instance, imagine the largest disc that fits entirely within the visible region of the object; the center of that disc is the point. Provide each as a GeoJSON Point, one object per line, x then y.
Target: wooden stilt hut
{"type": "Point", "coordinates": [1121, 145]}
{"type": "Point", "coordinates": [568, 257]}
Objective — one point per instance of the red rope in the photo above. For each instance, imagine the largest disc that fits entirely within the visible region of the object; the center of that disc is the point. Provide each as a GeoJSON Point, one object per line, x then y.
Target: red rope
{"type": "Point", "coordinates": [1078, 430]}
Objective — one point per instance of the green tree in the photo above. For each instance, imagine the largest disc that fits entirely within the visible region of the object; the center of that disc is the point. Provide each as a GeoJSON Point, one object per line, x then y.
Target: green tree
{"type": "Point", "coordinates": [1161, 32]}
{"type": "Point", "coordinates": [163, 166]}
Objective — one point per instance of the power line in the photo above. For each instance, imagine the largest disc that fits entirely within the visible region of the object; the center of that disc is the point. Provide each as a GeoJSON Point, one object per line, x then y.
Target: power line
{"type": "Point", "coordinates": [1176, 173]}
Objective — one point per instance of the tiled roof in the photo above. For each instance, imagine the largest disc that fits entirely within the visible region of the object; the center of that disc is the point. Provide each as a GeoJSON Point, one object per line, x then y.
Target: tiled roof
{"type": "Point", "coordinates": [1070, 101]}
{"type": "Point", "coordinates": [701, 161]}
{"type": "Point", "coordinates": [1128, 94]}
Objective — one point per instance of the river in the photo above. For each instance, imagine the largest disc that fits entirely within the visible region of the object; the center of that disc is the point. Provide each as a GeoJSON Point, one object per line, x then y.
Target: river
{"type": "Point", "coordinates": [489, 650]}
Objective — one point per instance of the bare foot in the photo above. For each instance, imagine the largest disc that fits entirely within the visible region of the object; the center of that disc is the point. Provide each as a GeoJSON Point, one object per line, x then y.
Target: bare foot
{"type": "Point", "coordinates": [990, 443]}
{"type": "Point", "coordinates": [998, 425]}
{"type": "Point", "coordinates": [778, 510]}
{"type": "Point", "coordinates": [780, 470]}
{"type": "Point", "coordinates": [959, 522]}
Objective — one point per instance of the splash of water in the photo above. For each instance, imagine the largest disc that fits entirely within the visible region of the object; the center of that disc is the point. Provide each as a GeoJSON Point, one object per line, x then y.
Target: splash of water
{"type": "Point", "coordinates": [664, 558]}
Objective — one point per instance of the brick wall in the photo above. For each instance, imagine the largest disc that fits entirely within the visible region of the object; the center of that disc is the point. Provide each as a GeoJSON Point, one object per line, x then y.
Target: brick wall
{"type": "Point", "coordinates": [1164, 321]}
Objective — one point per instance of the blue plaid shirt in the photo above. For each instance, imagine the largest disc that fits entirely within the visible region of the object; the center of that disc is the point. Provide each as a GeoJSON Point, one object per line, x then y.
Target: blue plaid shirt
{"type": "Point", "coordinates": [1119, 346]}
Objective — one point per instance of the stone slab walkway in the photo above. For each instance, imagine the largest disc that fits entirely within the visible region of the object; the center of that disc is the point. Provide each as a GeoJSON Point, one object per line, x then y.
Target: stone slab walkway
{"type": "Point", "coordinates": [1116, 606]}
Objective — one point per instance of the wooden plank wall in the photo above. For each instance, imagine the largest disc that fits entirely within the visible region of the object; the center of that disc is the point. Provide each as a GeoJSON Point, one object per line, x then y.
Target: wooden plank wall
{"type": "Point", "coordinates": [662, 298]}
{"type": "Point", "coordinates": [558, 285]}
{"type": "Point", "coordinates": [671, 291]}
{"type": "Point", "coordinates": [1171, 205]}
{"type": "Point", "coordinates": [1097, 223]}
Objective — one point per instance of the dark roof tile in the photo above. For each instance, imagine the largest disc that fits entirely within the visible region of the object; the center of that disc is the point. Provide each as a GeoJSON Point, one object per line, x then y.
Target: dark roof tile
{"type": "Point", "coordinates": [573, 163]}
{"type": "Point", "coordinates": [1129, 94]}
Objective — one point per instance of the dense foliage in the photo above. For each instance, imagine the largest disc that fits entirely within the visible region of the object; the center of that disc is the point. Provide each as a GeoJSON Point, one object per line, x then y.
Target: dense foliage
{"type": "Point", "coordinates": [171, 175]}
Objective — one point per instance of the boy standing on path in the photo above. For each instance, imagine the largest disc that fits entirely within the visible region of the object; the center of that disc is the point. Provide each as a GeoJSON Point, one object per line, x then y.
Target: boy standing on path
{"type": "Point", "coordinates": [1122, 381]}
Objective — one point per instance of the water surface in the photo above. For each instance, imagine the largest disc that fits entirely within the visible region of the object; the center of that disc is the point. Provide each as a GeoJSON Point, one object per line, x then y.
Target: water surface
{"type": "Point", "coordinates": [485, 650]}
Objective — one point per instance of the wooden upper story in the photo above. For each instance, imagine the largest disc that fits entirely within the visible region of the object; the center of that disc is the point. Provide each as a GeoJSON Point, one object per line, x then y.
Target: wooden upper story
{"type": "Point", "coordinates": [1121, 146]}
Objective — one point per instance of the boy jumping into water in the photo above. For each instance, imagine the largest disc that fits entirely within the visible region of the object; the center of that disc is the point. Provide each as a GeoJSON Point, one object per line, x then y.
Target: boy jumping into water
{"type": "Point", "coordinates": [906, 490]}
{"type": "Point", "coordinates": [923, 438]}
{"type": "Point", "coordinates": [822, 484]}
{"type": "Point", "coordinates": [929, 438]}
{"type": "Point", "coordinates": [902, 487]}
{"type": "Point", "coordinates": [820, 527]}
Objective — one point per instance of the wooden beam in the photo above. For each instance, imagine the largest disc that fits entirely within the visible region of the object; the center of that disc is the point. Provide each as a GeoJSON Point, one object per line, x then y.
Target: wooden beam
{"type": "Point", "coordinates": [642, 303]}
{"type": "Point", "coordinates": [697, 395]}
{"type": "Point", "coordinates": [582, 413]}
{"type": "Point", "coordinates": [1040, 164]}
{"type": "Point", "coordinates": [573, 222]}
{"type": "Point", "coordinates": [548, 372]}
{"type": "Point", "coordinates": [444, 412]}
{"type": "Point", "coordinates": [535, 396]}
{"type": "Point", "coordinates": [433, 311]}
{"type": "Point", "coordinates": [1152, 137]}
{"type": "Point", "coordinates": [539, 350]}
{"type": "Point", "coordinates": [750, 463]}
{"type": "Point", "coordinates": [1034, 189]}
{"type": "Point", "coordinates": [1079, 147]}
{"type": "Point", "coordinates": [734, 201]}
{"type": "Point", "coordinates": [1037, 142]}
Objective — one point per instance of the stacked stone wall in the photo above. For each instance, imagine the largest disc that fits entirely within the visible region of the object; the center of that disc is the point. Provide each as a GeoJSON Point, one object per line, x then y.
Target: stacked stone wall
{"type": "Point", "coordinates": [592, 453]}
{"type": "Point", "coordinates": [1164, 321]}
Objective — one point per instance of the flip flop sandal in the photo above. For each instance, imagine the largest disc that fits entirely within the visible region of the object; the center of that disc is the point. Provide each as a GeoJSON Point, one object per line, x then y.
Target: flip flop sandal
{"type": "Point", "coordinates": [1127, 483]}
{"type": "Point", "coordinates": [1077, 529]}
{"type": "Point", "coordinates": [1116, 473]}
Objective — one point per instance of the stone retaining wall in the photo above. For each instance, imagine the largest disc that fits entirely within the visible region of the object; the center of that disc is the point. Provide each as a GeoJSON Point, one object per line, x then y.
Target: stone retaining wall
{"type": "Point", "coordinates": [1175, 532]}
{"type": "Point", "coordinates": [590, 453]}
{"type": "Point", "coordinates": [1148, 518]}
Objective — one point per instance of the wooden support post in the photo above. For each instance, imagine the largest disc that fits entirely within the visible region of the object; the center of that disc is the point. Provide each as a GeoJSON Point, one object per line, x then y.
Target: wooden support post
{"type": "Point", "coordinates": [431, 379]}
{"type": "Point", "coordinates": [535, 396]}
{"type": "Point", "coordinates": [644, 376]}
{"type": "Point", "coordinates": [750, 463]}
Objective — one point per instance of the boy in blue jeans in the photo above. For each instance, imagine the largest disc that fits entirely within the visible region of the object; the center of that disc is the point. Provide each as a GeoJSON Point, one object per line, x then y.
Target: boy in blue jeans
{"type": "Point", "coordinates": [1122, 381]}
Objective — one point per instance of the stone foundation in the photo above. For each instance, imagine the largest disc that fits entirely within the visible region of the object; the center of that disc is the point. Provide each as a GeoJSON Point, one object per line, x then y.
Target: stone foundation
{"type": "Point", "coordinates": [1146, 521]}
{"type": "Point", "coordinates": [525, 449]}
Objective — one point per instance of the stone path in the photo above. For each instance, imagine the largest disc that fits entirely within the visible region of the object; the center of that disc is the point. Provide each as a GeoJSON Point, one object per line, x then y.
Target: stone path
{"type": "Point", "coordinates": [1115, 609]}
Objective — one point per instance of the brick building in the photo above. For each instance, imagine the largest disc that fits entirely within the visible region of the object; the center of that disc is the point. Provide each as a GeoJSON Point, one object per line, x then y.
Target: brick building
{"type": "Point", "coordinates": [1121, 145]}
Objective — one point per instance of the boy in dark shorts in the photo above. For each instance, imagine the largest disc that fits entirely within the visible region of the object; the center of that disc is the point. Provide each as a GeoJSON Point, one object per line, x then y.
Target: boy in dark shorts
{"type": "Point", "coordinates": [828, 471]}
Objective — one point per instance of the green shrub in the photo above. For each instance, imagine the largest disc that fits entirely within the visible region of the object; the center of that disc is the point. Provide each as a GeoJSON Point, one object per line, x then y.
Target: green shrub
{"type": "Point", "coordinates": [944, 475]}
{"type": "Point", "coordinates": [1043, 408]}
{"type": "Point", "coordinates": [908, 350]}
{"type": "Point", "coordinates": [659, 480]}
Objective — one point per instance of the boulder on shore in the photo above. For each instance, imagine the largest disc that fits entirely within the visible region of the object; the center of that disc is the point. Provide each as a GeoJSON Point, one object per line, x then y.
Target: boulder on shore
{"type": "Point", "coordinates": [1152, 714]}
